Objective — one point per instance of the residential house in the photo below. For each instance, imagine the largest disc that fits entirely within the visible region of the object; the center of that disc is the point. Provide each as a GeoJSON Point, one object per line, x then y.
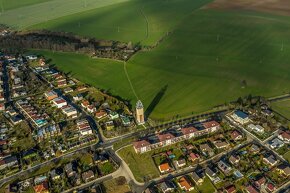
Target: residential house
{"type": "Point", "coordinates": [59, 102]}
{"type": "Point", "coordinates": [236, 135]}
{"type": "Point", "coordinates": [50, 95]}
{"type": "Point", "coordinates": [193, 157]}
{"type": "Point", "coordinates": [164, 168]}
{"type": "Point", "coordinates": [240, 117]}
{"type": "Point", "coordinates": [224, 167]}
{"type": "Point", "coordinates": [55, 174]}
{"type": "Point", "coordinates": [69, 111]}
{"type": "Point", "coordinates": [256, 128]}
{"type": "Point", "coordinates": [260, 182]}
{"type": "Point", "coordinates": [188, 132]}
{"type": "Point", "coordinates": [68, 90]}
{"type": "Point", "coordinates": [141, 146]}
{"type": "Point", "coordinates": [234, 159]}
{"type": "Point", "coordinates": [167, 186]}
{"type": "Point", "coordinates": [251, 189]}
{"type": "Point", "coordinates": [254, 148]}
{"type": "Point", "coordinates": [166, 139]}
{"type": "Point", "coordinates": [230, 189]}
{"type": "Point", "coordinates": [270, 187]}
{"type": "Point", "coordinates": [284, 169]}
{"type": "Point", "coordinates": [88, 175]}
{"type": "Point", "coordinates": [211, 173]}
{"type": "Point", "coordinates": [9, 161]}
{"type": "Point", "coordinates": [197, 178]}
{"type": "Point", "coordinates": [41, 188]}
{"type": "Point", "coordinates": [84, 127]}
{"type": "Point", "coordinates": [185, 184]}
{"type": "Point", "coordinates": [285, 136]}
{"type": "Point", "coordinates": [211, 126]}
{"type": "Point", "coordinates": [270, 160]}
{"type": "Point", "coordinates": [276, 143]}
{"type": "Point", "coordinates": [78, 97]}
{"type": "Point", "coordinates": [180, 163]}
{"type": "Point", "coordinates": [101, 114]}
{"type": "Point", "coordinates": [206, 149]}
{"type": "Point", "coordinates": [69, 170]}
{"type": "Point", "coordinates": [113, 115]}
{"type": "Point", "coordinates": [220, 144]}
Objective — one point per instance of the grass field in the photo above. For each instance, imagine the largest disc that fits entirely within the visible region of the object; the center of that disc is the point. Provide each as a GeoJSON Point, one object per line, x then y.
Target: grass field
{"type": "Point", "coordinates": [282, 107]}
{"type": "Point", "coordinates": [144, 21]}
{"type": "Point", "coordinates": [287, 156]}
{"type": "Point", "coordinates": [206, 186]}
{"type": "Point", "coordinates": [141, 165]}
{"type": "Point", "coordinates": [211, 58]}
{"type": "Point", "coordinates": [13, 4]}
{"type": "Point", "coordinates": [24, 16]}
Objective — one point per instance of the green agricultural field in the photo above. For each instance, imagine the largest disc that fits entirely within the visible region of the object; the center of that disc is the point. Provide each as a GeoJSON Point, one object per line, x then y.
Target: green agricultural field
{"type": "Point", "coordinates": [282, 107]}
{"type": "Point", "coordinates": [101, 73]}
{"type": "Point", "coordinates": [144, 21]}
{"type": "Point", "coordinates": [25, 16]}
{"type": "Point", "coordinates": [211, 58]}
{"type": "Point", "coordinates": [12, 4]}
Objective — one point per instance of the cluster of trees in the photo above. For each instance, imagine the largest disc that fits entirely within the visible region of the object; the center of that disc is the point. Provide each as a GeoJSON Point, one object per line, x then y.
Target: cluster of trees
{"type": "Point", "coordinates": [60, 41]}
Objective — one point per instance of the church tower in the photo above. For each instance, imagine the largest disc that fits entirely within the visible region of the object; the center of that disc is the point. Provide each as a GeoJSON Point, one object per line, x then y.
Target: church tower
{"type": "Point", "coordinates": [139, 113]}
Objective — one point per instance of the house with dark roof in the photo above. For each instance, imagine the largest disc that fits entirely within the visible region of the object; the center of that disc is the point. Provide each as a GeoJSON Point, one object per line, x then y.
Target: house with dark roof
{"type": "Point", "coordinates": [251, 189]}
{"type": "Point", "coordinates": [240, 117]}
{"type": "Point", "coordinates": [69, 170]}
{"type": "Point", "coordinates": [224, 167]}
{"type": "Point", "coordinates": [270, 160]}
{"type": "Point", "coordinates": [230, 189]}
{"type": "Point", "coordinates": [167, 186]}
{"type": "Point", "coordinates": [283, 169]}
{"type": "Point", "coordinates": [88, 175]}
{"type": "Point", "coordinates": [236, 135]}
{"type": "Point", "coordinates": [197, 178]}
{"type": "Point", "coordinates": [234, 159]}
{"type": "Point", "coordinates": [285, 136]}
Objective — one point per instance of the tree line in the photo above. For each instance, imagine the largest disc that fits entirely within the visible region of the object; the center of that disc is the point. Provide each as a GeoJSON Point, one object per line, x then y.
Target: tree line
{"type": "Point", "coordinates": [66, 42]}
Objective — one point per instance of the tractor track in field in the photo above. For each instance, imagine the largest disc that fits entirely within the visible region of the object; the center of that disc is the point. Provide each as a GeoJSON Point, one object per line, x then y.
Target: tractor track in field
{"type": "Point", "coordinates": [129, 80]}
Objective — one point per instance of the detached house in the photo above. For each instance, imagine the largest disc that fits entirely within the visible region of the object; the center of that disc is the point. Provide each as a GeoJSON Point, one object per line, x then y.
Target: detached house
{"type": "Point", "coordinates": [284, 169]}
{"type": "Point", "coordinates": [185, 184]}
{"type": "Point", "coordinates": [167, 187]}
{"type": "Point", "coordinates": [270, 160]}
{"type": "Point", "coordinates": [240, 117]}
{"type": "Point", "coordinates": [285, 136]}
{"type": "Point", "coordinates": [236, 135]}
{"type": "Point", "coordinates": [197, 178]}
{"type": "Point", "coordinates": [164, 168]}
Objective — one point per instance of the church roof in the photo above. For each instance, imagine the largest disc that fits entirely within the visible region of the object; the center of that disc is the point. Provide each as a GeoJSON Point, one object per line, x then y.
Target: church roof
{"type": "Point", "coordinates": [139, 105]}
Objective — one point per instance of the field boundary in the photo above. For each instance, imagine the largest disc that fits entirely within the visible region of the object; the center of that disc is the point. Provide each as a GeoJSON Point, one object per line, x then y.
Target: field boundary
{"type": "Point", "coordinates": [129, 80]}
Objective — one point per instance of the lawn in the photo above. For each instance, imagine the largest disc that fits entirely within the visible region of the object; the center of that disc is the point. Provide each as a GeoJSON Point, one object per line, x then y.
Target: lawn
{"type": "Point", "coordinates": [144, 21]}
{"type": "Point", "coordinates": [211, 58]}
{"type": "Point", "coordinates": [141, 165]}
{"type": "Point", "coordinates": [282, 107]}
{"type": "Point", "coordinates": [287, 156]}
{"type": "Point", "coordinates": [206, 186]}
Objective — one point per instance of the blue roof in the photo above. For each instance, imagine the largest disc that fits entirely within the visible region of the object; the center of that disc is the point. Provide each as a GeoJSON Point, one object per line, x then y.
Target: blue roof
{"type": "Point", "coordinates": [241, 114]}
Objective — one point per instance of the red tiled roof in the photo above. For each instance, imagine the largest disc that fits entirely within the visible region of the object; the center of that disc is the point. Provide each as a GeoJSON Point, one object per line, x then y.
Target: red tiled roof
{"type": "Point", "coordinates": [235, 134]}
{"type": "Point", "coordinates": [41, 187]}
{"type": "Point", "coordinates": [164, 137]}
{"type": "Point", "coordinates": [261, 181]}
{"type": "Point", "coordinates": [188, 130]}
{"type": "Point", "coordinates": [210, 124]}
{"type": "Point", "coordinates": [270, 187]}
{"type": "Point", "coordinates": [184, 183]}
{"type": "Point", "coordinates": [139, 144]}
{"type": "Point", "coordinates": [251, 189]}
{"type": "Point", "coordinates": [164, 167]}
{"type": "Point", "coordinates": [231, 189]}
{"type": "Point", "coordinates": [285, 135]}
{"type": "Point", "coordinates": [193, 156]}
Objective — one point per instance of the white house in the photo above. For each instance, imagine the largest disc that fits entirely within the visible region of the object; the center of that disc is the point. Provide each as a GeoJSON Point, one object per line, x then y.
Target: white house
{"type": "Point", "coordinates": [59, 102]}
{"type": "Point", "coordinates": [240, 117]}
{"type": "Point", "coordinates": [256, 128]}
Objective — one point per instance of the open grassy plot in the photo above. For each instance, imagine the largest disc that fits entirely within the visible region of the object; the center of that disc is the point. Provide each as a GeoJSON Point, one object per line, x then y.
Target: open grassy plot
{"type": "Point", "coordinates": [287, 156]}
{"type": "Point", "coordinates": [35, 13]}
{"type": "Point", "coordinates": [206, 186]}
{"type": "Point", "coordinates": [141, 165]}
{"type": "Point", "coordinates": [282, 107]}
{"type": "Point", "coordinates": [144, 21]}
{"type": "Point", "coordinates": [13, 4]}
{"type": "Point", "coordinates": [101, 73]}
